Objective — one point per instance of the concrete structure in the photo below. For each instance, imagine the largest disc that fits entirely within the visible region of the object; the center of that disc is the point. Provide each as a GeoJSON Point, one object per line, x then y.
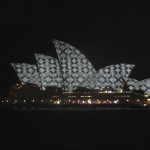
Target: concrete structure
{"type": "Point", "coordinates": [73, 70]}
{"type": "Point", "coordinates": [27, 73]}
{"type": "Point", "coordinates": [49, 71]}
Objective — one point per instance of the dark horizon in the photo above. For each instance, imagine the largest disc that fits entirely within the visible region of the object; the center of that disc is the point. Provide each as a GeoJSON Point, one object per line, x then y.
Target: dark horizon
{"type": "Point", "coordinates": [106, 33]}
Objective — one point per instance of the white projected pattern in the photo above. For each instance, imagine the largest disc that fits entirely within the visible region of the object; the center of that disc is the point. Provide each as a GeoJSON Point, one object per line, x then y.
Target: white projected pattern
{"type": "Point", "coordinates": [27, 73]}
{"type": "Point", "coordinates": [112, 76]}
{"type": "Point", "coordinates": [132, 84]}
{"type": "Point", "coordinates": [144, 85]}
{"type": "Point", "coordinates": [76, 68]}
{"type": "Point", "coordinates": [49, 71]}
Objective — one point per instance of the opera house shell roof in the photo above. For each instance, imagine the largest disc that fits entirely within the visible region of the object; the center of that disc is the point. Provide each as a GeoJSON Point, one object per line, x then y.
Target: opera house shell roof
{"type": "Point", "coordinates": [73, 70]}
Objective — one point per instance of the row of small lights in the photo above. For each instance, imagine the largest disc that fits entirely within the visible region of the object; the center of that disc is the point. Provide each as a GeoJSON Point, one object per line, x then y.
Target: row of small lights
{"type": "Point", "coordinates": [89, 101]}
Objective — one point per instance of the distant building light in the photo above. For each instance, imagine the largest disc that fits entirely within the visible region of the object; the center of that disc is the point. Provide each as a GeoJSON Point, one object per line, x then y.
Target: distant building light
{"type": "Point", "coordinates": [7, 101]}
{"type": "Point", "coordinates": [2, 101]}
{"type": "Point", "coordinates": [148, 99]}
{"type": "Point", "coordinates": [86, 96]}
{"type": "Point", "coordinates": [115, 102]}
{"type": "Point", "coordinates": [56, 102]}
{"type": "Point", "coordinates": [110, 102]}
{"type": "Point", "coordinates": [89, 101]}
{"type": "Point", "coordinates": [71, 96]}
{"type": "Point", "coordinates": [137, 100]}
{"type": "Point", "coordinates": [146, 95]}
{"type": "Point", "coordinates": [41, 100]}
{"type": "Point", "coordinates": [15, 101]}
{"type": "Point", "coordinates": [33, 100]}
{"type": "Point", "coordinates": [121, 90]}
{"type": "Point", "coordinates": [24, 101]}
{"type": "Point", "coordinates": [127, 100]}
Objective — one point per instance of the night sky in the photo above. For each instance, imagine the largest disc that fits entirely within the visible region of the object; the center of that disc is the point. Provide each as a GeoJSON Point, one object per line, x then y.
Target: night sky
{"type": "Point", "coordinates": [107, 33]}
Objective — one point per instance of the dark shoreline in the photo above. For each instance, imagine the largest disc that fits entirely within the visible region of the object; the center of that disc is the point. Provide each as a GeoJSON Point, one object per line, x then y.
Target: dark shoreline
{"type": "Point", "coordinates": [73, 107]}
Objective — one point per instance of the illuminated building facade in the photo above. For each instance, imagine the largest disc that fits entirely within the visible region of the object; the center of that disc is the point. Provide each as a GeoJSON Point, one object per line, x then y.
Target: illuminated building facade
{"type": "Point", "coordinates": [132, 84]}
{"type": "Point", "coordinates": [73, 70]}
{"type": "Point", "coordinates": [111, 76]}
{"type": "Point", "coordinates": [49, 71]}
{"type": "Point", "coordinates": [144, 85]}
{"type": "Point", "coordinates": [27, 73]}
{"type": "Point", "coordinates": [76, 68]}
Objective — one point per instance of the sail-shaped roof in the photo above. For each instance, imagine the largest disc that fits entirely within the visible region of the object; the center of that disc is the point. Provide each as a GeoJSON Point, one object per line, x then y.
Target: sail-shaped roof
{"type": "Point", "coordinates": [27, 73]}
{"type": "Point", "coordinates": [144, 85]}
{"type": "Point", "coordinates": [132, 84]}
{"type": "Point", "coordinates": [112, 75]}
{"type": "Point", "coordinates": [75, 67]}
{"type": "Point", "coordinates": [49, 71]}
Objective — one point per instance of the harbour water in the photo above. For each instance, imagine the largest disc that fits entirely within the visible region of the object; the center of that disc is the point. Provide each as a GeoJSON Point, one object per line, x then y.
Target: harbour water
{"type": "Point", "coordinates": [75, 128]}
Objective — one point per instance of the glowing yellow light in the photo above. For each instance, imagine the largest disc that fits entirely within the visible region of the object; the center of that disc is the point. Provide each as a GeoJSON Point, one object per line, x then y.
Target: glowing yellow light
{"type": "Point", "coordinates": [56, 102]}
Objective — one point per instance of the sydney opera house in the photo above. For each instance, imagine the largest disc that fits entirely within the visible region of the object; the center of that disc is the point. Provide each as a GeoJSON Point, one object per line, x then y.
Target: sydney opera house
{"type": "Point", "coordinates": [73, 79]}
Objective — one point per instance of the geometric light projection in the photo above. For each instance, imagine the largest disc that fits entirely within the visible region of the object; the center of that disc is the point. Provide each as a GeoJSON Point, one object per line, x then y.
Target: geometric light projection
{"type": "Point", "coordinates": [112, 75]}
{"type": "Point", "coordinates": [27, 73]}
{"type": "Point", "coordinates": [132, 84]}
{"type": "Point", "coordinates": [74, 70]}
{"type": "Point", "coordinates": [49, 71]}
{"type": "Point", "coordinates": [75, 67]}
{"type": "Point", "coordinates": [144, 85]}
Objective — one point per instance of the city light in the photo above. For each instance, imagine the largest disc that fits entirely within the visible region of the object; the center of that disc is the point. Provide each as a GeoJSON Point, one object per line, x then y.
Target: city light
{"type": "Point", "coordinates": [115, 102]}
